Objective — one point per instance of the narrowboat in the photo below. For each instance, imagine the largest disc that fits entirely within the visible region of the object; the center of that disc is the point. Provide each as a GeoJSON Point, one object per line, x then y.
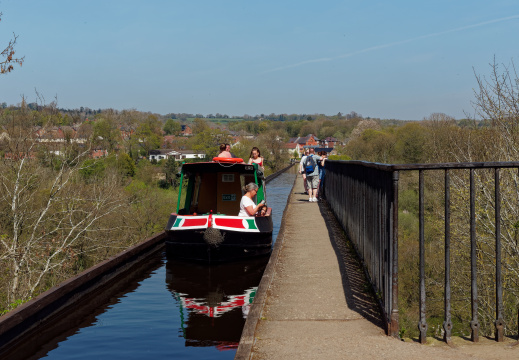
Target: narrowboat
{"type": "Point", "coordinates": [206, 226]}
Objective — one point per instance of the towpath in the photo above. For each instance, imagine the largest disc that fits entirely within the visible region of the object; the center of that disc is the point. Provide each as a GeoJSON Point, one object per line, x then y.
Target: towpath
{"type": "Point", "coordinates": [312, 302]}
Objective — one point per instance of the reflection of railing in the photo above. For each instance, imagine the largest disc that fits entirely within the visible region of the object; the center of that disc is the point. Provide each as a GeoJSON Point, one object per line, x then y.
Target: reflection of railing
{"type": "Point", "coordinates": [364, 198]}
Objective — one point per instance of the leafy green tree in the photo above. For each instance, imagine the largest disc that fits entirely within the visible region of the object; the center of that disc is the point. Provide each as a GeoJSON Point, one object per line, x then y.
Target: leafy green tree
{"type": "Point", "coordinates": [93, 168]}
{"type": "Point", "coordinates": [271, 145]}
{"type": "Point", "coordinates": [172, 127]}
{"type": "Point", "coordinates": [411, 139]}
{"type": "Point", "coordinates": [200, 125]}
{"type": "Point", "coordinates": [106, 133]}
{"type": "Point", "coordinates": [149, 134]}
{"type": "Point", "coordinates": [373, 145]}
{"type": "Point", "coordinates": [126, 165]}
{"type": "Point", "coordinates": [130, 120]}
{"type": "Point", "coordinates": [209, 141]}
{"type": "Point", "coordinates": [308, 128]}
{"type": "Point", "coordinates": [171, 169]}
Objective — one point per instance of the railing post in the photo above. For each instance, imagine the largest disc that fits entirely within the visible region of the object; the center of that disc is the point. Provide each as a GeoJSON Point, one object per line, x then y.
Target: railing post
{"type": "Point", "coordinates": [499, 323]}
{"type": "Point", "coordinates": [447, 324]}
{"type": "Point", "coordinates": [474, 324]}
{"type": "Point", "coordinates": [394, 326]}
{"type": "Point", "coordinates": [422, 325]}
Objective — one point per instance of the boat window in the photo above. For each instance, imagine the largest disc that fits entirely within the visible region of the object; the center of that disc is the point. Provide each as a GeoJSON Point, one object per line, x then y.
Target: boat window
{"type": "Point", "coordinates": [227, 177]}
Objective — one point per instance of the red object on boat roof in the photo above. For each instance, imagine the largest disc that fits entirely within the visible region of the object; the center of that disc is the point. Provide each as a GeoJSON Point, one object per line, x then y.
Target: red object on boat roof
{"type": "Point", "coordinates": [228, 160]}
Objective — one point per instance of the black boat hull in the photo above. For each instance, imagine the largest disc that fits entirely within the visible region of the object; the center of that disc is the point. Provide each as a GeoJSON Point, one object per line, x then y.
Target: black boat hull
{"type": "Point", "coordinates": [234, 245]}
{"type": "Point", "coordinates": [191, 246]}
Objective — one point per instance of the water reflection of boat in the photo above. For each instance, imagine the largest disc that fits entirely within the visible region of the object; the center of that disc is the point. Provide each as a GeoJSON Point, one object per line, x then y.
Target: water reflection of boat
{"type": "Point", "coordinates": [207, 227]}
{"type": "Point", "coordinates": [214, 299]}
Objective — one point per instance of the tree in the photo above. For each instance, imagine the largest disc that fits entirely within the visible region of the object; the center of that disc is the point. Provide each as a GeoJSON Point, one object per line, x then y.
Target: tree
{"type": "Point", "coordinates": [149, 134]}
{"type": "Point", "coordinates": [271, 145]}
{"type": "Point", "coordinates": [172, 127]}
{"type": "Point", "coordinates": [372, 145]}
{"type": "Point", "coordinates": [106, 133]}
{"type": "Point", "coordinates": [209, 141]}
{"type": "Point", "coordinates": [50, 218]}
{"type": "Point", "coordinates": [171, 169]}
{"type": "Point", "coordinates": [126, 165]}
{"type": "Point", "coordinates": [410, 144]}
{"type": "Point", "coordinates": [496, 104]}
{"type": "Point", "coordinates": [200, 125]}
{"type": "Point", "coordinates": [363, 126]}
{"type": "Point", "coordinates": [130, 120]}
{"type": "Point", "coordinates": [7, 58]}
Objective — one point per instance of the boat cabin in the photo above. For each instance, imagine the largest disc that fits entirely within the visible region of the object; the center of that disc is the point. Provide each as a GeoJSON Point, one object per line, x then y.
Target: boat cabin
{"type": "Point", "coordinates": [217, 187]}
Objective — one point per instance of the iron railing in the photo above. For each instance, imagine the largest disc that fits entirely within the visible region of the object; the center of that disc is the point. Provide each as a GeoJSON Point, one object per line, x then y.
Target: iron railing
{"type": "Point", "coordinates": [364, 198]}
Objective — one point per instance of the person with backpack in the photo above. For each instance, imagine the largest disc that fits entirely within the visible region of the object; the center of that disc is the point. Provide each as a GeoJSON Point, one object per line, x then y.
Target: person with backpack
{"type": "Point", "coordinates": [311, 170]}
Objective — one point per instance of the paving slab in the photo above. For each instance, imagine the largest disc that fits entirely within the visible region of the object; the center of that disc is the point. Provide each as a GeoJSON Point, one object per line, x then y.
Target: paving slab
{"type": "Point", "coordinates": [312, 302]}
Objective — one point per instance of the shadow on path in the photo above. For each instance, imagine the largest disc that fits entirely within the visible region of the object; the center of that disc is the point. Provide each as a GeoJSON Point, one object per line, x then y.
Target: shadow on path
{"type": "Point", "coordinates": [357, 289]}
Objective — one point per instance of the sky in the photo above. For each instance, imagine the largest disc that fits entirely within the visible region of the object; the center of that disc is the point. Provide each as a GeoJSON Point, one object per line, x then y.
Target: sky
{"type": "Point", "coordinates": [395, 59]}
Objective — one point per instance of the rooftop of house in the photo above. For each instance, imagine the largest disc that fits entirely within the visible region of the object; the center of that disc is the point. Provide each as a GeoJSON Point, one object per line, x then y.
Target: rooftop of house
{"type": "Point", "coordinates": [302, 139]}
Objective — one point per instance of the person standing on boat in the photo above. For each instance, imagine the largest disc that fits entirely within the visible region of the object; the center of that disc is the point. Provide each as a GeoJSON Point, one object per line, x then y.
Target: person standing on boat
{"type": "Point", "coordinates": [255, 157]}
{"type": "Point", "coordinates": [247, 205]}
{"type": "Point", "coordinates": [228, 148]}
{"type": "Point", "coordinates": [223, 152]}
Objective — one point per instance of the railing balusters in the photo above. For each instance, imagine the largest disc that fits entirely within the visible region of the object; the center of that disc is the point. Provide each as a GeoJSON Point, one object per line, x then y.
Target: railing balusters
{"type": "Point", "coordinates": [447, 324]}
{"type": "Point", "coordinates": [474, 324]}
{"type": "Point", "coordinates": [364, 197]}
{"type": "Point", "coordinates": [499, 323]}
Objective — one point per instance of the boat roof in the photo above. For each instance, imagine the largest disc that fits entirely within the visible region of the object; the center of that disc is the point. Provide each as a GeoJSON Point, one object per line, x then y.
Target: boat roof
{"type": "Point", "coordinates": [213, 166]}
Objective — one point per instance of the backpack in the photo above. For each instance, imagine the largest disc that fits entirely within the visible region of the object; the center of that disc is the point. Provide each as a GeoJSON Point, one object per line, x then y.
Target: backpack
{"type": "Point", "coordinates": [309, 164]}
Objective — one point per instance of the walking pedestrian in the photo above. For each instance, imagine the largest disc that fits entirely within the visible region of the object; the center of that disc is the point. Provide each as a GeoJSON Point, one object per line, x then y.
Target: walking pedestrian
{"type": "Point", "coordinates": [320, 188]}
{"type": "Point", "coordinates": [301, 169]}
{"type": "Point", "coordinates": [312, 174]}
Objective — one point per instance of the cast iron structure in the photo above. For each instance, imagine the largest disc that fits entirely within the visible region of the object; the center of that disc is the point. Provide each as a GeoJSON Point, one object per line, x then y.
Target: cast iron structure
{"type": "Point", "coordinates": [364, 198]}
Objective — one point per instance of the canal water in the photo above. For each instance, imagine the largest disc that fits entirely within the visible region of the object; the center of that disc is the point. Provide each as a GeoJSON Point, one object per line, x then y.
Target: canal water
{"type": "Point", "coordinates": [171, 309]}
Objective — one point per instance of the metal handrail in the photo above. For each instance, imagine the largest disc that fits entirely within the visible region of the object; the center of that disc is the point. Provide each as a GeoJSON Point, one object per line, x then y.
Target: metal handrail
{"type": "Point", "coordinates": [364, 198]}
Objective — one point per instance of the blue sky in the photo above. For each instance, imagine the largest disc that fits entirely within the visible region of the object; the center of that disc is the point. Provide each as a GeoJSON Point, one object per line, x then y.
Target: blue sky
{"type": "Point", "coordinates": [388, 59]}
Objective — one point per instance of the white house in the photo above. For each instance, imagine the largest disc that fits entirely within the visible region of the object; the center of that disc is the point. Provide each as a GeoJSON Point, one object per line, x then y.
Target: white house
{"type": "Point", "coordinates": [164, 154]}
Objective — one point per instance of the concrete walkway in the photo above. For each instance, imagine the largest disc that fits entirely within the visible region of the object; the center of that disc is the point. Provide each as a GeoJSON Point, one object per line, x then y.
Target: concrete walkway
{"type": "Point", "coordinates": [312, 302]}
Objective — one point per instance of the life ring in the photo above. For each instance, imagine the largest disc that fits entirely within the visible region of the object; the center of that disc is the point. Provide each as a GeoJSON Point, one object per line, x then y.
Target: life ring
{"type": "Point", "coordinates": [228, 160]}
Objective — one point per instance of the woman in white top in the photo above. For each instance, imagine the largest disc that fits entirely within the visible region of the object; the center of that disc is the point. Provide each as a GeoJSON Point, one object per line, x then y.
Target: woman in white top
{"type": "Point", "coordinates": [247, 205]}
